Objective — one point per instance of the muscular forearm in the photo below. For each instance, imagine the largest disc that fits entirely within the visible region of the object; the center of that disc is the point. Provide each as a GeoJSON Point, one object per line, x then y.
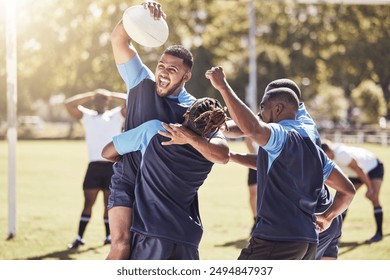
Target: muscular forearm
{"type": "Point", "coordinates": [248, 160]}
{"type": "Point", "coordinates": [121, 44]}
{"type": "Point", "coordinates": [242, 115]}
{"type": "Point", "coordinates": [216, 150]}
{"type": "Point", "coordinates": [233, 130]}
{"type": "Point", "coordinates": [345, 192]}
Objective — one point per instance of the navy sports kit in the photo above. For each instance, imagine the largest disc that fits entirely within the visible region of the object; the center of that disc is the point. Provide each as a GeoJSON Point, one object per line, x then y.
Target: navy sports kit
{"type": "Point", "coordinates": [166, 204]}
{"type": "Point", "coordinates": [143, 104]}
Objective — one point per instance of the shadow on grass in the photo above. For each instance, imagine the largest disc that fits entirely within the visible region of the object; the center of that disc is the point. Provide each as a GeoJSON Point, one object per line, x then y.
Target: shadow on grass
{"type": "Point", "coordinates": [350, 246]}
{"type": "Point", "coordinates": [68, 254]}
{"type": "Point", "coordinates": [239, 244]}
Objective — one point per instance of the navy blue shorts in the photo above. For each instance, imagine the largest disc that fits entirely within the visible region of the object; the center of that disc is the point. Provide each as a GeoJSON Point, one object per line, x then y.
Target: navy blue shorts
{"type": "Point", "coordinates": [150, 248]}
{"type": "Point", "coordinates": [261, 249]}
{"type": "Point", "coordinates": [329, 240]}
{"type": "Point", "coordinates": [121, 187]}
{"type": "Point", "coordinates": [98, 175]}
{"type": "Point", "coordinates": [252, 177]}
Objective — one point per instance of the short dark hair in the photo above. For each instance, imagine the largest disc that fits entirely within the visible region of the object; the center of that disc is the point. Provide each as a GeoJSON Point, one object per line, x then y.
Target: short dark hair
{"type": "Point", "coordinates": [205, 115]}
{"type": "Point", "coordinates": [181, 52]}
{"type": "Point", "coordinates": [283, 94]}
{"type": "Point", "coordinates": [286, 83]}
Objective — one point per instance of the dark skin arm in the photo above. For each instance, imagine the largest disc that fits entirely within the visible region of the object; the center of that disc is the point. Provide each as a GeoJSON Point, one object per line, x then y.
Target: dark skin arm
{"type": "Point", "coordinates": [120, 218]}
{"type": "Point", "coordinates": [241, 114]}
{"type": "Point", "coordinates": [248, 160]}
{"type": "Point", "coordinates": [121, 43]}
{"type": "Point", "coordinates": [233, 130]}
{"type": "Point", "coordinates": [109, 153]}
{"type": "Point", "coordinates": [73, 102]}
{"type": "Point", "coordinates": [362, 176]}
{"type": "Point", "coordinates": [216, 150]}
{"type": "Point", "coordinates": [345, 191]}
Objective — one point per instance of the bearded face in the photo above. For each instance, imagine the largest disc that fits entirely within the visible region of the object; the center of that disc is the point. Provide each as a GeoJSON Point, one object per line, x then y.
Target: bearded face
{"type": "Point", "coordinates": [171, 74]}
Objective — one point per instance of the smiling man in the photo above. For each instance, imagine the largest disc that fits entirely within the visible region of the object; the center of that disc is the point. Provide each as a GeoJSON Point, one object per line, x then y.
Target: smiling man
{"type": "Point", "coordinates": [160, 95]}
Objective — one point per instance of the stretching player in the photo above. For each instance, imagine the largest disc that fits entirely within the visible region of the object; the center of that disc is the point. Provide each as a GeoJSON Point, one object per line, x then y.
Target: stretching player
{"type": "Point", "coordinates": [362, 167]}
{"type": "Point", "coordinates": [100, 125]}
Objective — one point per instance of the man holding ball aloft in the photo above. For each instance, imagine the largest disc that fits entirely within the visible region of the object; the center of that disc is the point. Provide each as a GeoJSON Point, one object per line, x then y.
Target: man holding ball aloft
{"type": "Point", "coordinates": [161, 96]}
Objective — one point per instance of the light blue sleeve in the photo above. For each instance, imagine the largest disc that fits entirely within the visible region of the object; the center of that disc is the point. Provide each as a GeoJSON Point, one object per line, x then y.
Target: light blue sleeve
{"type": "Point", "coordinates": [134, 71]}
{"type": "Point", "coordinates": [137, 139]}
{"type": "Point", "coordinates": [328, 167]}
{"type": "Point", "coordinates": [275, 142]}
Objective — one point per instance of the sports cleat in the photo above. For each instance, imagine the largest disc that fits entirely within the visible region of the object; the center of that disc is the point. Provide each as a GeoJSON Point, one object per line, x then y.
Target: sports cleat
{"type": "Point", "coordinates": [76, 244]}
{"type": "Point", "coordinates": [377, 237]}
{"type": "Point", "coordinates": [107, 240]}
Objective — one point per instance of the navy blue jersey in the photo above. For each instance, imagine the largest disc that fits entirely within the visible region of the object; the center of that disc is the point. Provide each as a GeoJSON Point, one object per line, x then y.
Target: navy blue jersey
{"type": "Point", "coordinates": [166, 200]}
{"type": "Point", "coordinates": [289, 186]}
{"type": "Point", "coordinates": [325, 199]}
{"type": "Point", "coordinates": [143, 104]}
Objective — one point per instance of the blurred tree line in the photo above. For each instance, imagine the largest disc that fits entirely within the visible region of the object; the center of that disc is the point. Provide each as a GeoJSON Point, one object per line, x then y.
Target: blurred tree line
{"type": "Point", "coordinates": [338, 54]}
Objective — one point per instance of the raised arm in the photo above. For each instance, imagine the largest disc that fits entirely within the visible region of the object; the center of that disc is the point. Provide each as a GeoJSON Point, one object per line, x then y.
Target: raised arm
{"type": "Point", "coordinates": [122, 46]}
{"type": "Point", "coordinates": [242, 115]}
{"type": "Point", "coordinates": [232, 131]}
{"type": "Point", "coordinates": [120, 98]}
{"type": "Point", "coordinates": [73, 102]}
{"type": "Point", "coordinates": [121, 42]}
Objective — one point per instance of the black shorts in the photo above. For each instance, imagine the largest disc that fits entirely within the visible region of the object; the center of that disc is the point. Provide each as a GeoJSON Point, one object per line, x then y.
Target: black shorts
{"type": "Point", "coordinates": [252, 177]}
{"type": "Point", "coordinates": [98, 175]}
{"type": "Point", "coordinates": [377, 173]}
{"type": "Point", "coordinates": [150, 248]}
{"type": "Point", "coordinates": [261, 249]}
{"type": "Point", "coordinates": [329, 240]}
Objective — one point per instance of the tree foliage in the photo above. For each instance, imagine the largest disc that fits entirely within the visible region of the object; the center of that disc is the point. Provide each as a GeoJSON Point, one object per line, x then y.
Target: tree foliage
{"type": "Point", "coordinates": [369, 99]}
{"type": "Point", "coordinates": [64, 47]}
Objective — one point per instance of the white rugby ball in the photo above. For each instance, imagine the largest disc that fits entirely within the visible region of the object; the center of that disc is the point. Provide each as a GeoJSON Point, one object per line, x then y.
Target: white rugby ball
{"type": "Point", "coordinates": [143, 28]}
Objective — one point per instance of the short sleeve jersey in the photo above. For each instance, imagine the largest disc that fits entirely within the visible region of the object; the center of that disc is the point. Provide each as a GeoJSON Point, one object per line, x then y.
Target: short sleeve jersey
{"type": "Point", "coordinates": [143, 104]}
{"type": "Point", "coordinates": [166, 201]}
{"type": "Point", "coordinates": [325, 199]}
{"type": "Point", "coordinates": [289, 185]}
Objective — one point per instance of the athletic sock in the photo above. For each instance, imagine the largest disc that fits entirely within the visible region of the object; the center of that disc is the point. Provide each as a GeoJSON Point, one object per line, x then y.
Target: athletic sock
{"type": "Point", "coordinates": [378, 214]}
{"type": "Point", "coordinates": [107, 226]}
{"type": "Point", "coordinates": [84, 220]}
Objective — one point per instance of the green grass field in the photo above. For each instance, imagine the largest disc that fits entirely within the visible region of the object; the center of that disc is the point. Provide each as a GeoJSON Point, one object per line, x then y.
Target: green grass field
{"type": "Point", "coordinates": [49, 203]}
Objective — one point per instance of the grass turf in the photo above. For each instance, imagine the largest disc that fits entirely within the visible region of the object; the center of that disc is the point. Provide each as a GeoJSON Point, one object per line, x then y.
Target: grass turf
{"type": "Point", "coordinates": [49, 203]}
